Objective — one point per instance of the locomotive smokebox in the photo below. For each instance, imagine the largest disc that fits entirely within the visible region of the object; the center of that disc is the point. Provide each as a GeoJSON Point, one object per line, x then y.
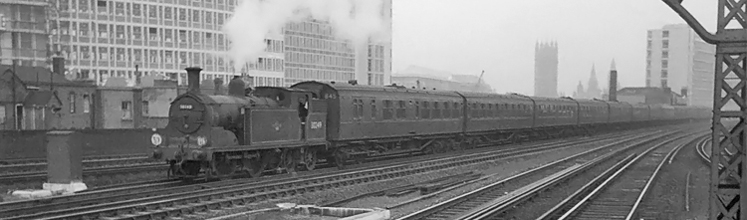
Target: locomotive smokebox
{"type": "Point", "coordinates": [193, 78]}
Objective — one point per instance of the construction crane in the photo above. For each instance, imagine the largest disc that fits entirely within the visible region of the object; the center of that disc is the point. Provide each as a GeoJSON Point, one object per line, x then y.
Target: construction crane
{"type": "Point", "coordinates": [477, 86]}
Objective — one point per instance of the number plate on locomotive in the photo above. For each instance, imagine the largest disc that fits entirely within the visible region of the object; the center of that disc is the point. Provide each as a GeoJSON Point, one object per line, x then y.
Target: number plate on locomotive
{"type": "Point", "coordinates": [188, 107]}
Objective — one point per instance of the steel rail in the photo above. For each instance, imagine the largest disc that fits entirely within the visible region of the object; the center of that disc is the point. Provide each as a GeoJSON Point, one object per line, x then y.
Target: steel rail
{"type": "Point", "coordinates": [607, 183]}
{"type": "Point", "coordinates": [525, 193]}
{"type": "Point", "coordinates": [96, 163]}
{"type": "Point", "coordinates": [444, 210]}
{"type": "Point", "coordinates": [40, 176]}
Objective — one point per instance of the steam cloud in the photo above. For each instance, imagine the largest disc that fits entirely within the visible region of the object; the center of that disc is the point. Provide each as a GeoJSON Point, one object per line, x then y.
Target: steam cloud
{"type": "Point", "coordinates": [253, 20]}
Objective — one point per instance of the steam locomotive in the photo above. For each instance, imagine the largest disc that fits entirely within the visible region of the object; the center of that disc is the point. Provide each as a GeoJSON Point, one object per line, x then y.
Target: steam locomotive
{"type": "Point", "coordinates": [250, 131]}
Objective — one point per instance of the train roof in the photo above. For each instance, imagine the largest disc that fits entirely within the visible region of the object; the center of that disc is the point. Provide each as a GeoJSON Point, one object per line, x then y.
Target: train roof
{"type": "Point", "coordinates": [347, 87]}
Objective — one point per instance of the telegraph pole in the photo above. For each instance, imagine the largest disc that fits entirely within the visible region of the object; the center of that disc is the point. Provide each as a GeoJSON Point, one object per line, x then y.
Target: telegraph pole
{"type": "Point", "coordinates": [728, 186]}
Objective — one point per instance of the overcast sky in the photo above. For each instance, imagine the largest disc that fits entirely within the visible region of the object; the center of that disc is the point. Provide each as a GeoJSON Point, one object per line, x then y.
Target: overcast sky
{"type": "Point", "coordinates": [467, 36]}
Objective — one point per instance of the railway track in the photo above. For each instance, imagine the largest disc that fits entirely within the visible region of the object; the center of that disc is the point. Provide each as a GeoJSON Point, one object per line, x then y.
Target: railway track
{"type": "Point", "coordinates": [32, 161]}
{"type": "Point", "coordinates": [20, 169]}
{"type": "Point", "coordinates": [495, 198]}
{"type": "Point", "coordinates": [20, 180]}
{"type": "Point", "coordinates": [138, 203]}
{"type": "Point", "coordinates": [618, 192]}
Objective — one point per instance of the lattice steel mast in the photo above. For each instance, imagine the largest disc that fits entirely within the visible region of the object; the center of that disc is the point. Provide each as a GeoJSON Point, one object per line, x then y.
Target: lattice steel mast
{"type": "Point", "coordinates": [728, 184]}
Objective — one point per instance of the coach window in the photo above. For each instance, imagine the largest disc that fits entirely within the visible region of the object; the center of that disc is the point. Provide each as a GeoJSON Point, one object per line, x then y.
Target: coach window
{"type": "Point", "coordinates": [436, 110]}
{"type": "Point", "coordinates": [402, 110]}
{"type": "Point", "coordinates": [446, 111]}
{"type": "Point", "coordinates": [373, 109]}
{"type": "Point", "coordinates": [388, 110]}
{"type": "Point", "coordinates": [417, 110]}
{"type": "Point", "coordinates": [355, 108]}
{"type": "Point", "coordinates": [426, 111]}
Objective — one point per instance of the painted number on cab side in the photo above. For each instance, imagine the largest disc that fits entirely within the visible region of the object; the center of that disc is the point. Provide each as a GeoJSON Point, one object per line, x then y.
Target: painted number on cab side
{"type": "Point", "coordinates": [316, 124]}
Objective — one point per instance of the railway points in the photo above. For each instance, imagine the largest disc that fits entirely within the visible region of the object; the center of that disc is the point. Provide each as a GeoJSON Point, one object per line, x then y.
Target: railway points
{"type": "Point", "coordinates": [501, 196]}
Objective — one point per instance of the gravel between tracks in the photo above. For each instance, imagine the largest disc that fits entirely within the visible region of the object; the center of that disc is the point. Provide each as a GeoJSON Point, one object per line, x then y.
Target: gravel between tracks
{"type": "Point", "coordinates": [507, 167]}
{"type": "Point", "coordinates": [667, 198]}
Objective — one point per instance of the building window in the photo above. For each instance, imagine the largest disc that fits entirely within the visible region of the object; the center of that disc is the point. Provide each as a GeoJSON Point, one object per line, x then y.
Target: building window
{"type": "Point", "coordinates": [137, 33]}
{"type": "Point", "coordinates": [153, 34]}
{"type": "Point", "coordinates": [182, 36]}
{"type": "Point", "coordinates": [102, 31]}
{"type": "Point", "coordinates": [126, 110]}
{"type": "Point", "coordinates": [208, 17]}
{"type": "Point", "coordinates": [138, 55]}
{"type": "Point", "coordinates": [120, 31]}
{"type": "Point", "coordinates": [83, 5]}
{"type": "Point", "coordinates": [86, 103]}
{"type": "Point", "coordinates": [71, 100]}
{"type": "Point", "coordinates": [665, 34]}
{"type": "Point", "coordinates": [145, 108]}
{"type": "Point", "coordinates": [120, 54]}
{"type": "Point", "coordinates": [664, 64]}
{"type": "Point", "coordinates": [169, 57]}
{"type": "Point", "coordinates": [2, 116]}
{"type": "Point", "coordinates": [196, 37]}
{"type": "Point", "coordinates": [373, 109]}
{"type": "Point", "coordinates": [103, 53]}
{"type": "Point", "coordinates": [119, 8]}
{"type": "Point", "coordinates": [183, 57]}
{"type": "Point", "coordinates": [136, 10]}
{"type": "Point", "coordinates": [168, 13]}
{"type": "Point", "coordinates": [195, 15]}
{"type": "Point", "coordinates": [665, 44]}
{"type": "Point", "coordinates": [152, 11]}
{"type": "Point", "coordinates": [664, 54]}
{"type": "Point", "coordinates": [153, 56]}
{"type": "Point", "coordinates": [167, 35]}
{"type": "Point", "coordinates": [664, 74]}
{"type": "Point", "coordinates": [648, 44]}
{"type": "Point", "coordinates": [84, 30]}
{"type": "Point", "coordinates": [182, 14]}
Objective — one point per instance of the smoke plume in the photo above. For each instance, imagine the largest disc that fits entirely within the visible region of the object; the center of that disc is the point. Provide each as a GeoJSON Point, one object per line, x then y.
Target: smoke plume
{"type": "Point", "coordinates": [253, 20]}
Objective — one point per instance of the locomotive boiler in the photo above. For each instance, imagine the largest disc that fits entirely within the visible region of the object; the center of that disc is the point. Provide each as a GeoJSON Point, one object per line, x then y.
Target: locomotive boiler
{"type": "Point", "coordinates": [241, 132]}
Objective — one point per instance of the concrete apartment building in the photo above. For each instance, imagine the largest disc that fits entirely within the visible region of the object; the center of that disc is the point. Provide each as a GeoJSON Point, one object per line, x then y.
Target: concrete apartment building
{"type": "Point", "coordinates": [678, 59]}
{"type": "Point", "coordinates": [546, 69]}
{"type": "Point", "coordinates": [23, 33]}
{"type": "Point", "coordinates": [118, 38]}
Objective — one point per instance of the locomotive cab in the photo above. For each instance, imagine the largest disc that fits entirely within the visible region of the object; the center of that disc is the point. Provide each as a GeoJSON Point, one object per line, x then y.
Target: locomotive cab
{"type": "Point", "coordinates": [298, 110]}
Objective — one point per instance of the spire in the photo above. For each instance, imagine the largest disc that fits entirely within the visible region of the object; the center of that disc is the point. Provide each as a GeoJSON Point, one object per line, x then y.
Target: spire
{"type": "Point", "coordinates": [613, 65]}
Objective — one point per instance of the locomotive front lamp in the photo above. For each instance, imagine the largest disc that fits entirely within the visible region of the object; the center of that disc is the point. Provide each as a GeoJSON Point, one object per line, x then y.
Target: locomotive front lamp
{"type": "Point", "coordinates": [156, 139]}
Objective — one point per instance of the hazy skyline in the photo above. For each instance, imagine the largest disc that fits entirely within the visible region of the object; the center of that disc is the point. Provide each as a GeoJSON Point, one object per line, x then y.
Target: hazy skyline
{"type": "Point", "coordinates": [468, 36]}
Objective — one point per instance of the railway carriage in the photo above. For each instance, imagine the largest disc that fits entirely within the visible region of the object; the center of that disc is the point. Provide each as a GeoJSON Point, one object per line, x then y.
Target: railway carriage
{"type": "Point", "coordinates": [367, 121]}
{"type": "Point", "coordinates": [656, 112]}
{"type": "Point", "coordinates": [592, 112]}
{"type": "Point", "coordinates": [491, 112]}
{"type": "Point", "coordinates": [641, 113]}
{"type": "Point", "coordinates": [620, 112]}
{"type": "Point", "coordinates": [555, 112]}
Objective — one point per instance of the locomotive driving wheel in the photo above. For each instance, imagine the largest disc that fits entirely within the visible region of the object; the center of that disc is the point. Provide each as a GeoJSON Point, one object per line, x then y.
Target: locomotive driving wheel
{"type": "Point", "coordinates": [288, 160]}
{"type": "Point", "coordinates": [309, 158]}
{"type": "Point", "coordinates": [254, 166]}
{"type": "Point", "coordinates": [222, 167]}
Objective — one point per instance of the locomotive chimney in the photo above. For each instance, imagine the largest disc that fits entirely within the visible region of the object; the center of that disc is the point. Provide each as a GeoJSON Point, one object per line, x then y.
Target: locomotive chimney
{"type": "Point", "coordinates": [613, 82]}
{"type": "Point", "coordinates": [193, 78]}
